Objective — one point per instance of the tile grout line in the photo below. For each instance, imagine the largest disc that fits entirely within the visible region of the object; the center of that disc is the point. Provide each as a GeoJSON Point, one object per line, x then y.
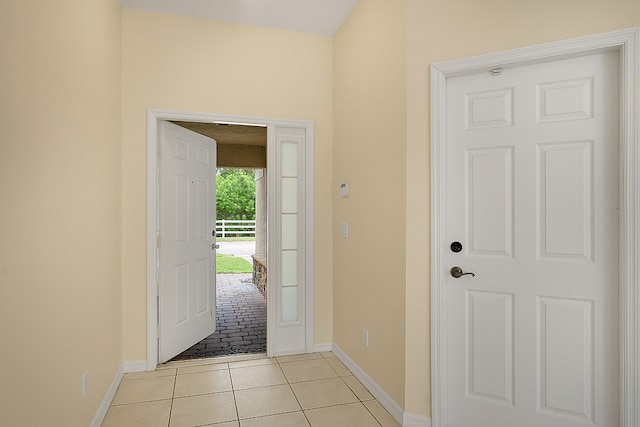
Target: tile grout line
{"type": "Point", "coordinates": [351, 389]}
{"type": "Point", "coordinates": [372, 414]}
{"type": "Point", "coordinates": [294, 394]}
{"type": "Point", "coordinates": [233, 390]}
{"type": "Point", "coordinates": [354, 393]}
{"type": "Point", "coordinates": [173, 393]}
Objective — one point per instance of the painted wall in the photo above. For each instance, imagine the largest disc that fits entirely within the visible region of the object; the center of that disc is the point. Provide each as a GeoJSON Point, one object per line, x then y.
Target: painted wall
{"type": "Point", "coordinates": [442, 30]}
{"type": "Point", "coordinates": [370, 154]}
{"type": "Point", "coordinates": [60, 293]}
{"type": "Point", "coordinates": [73, 100]}
{"type": "Point", "coordinates": [181, 63]}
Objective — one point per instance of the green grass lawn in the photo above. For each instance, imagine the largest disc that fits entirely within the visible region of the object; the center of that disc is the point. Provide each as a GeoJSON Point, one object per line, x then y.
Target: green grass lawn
{"type": "Point", "coordinates": [231, 264]}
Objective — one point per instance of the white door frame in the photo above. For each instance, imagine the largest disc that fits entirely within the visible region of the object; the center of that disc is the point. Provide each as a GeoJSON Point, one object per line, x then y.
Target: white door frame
{"type": "Point", "coordinates": [627, 42]}
{"type": "Point", "coordinates": [154, 116]}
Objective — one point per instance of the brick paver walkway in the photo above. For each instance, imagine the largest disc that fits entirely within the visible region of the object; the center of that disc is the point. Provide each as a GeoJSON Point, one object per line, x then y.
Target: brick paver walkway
{"type": "Point", "coordinates": [241, 320]}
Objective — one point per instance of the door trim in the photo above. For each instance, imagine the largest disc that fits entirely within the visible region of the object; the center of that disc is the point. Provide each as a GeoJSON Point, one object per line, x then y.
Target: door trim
{"type": "Point", "coordinates": [154, 116]}
{"type": "Point", "coordinates": [627, 42]}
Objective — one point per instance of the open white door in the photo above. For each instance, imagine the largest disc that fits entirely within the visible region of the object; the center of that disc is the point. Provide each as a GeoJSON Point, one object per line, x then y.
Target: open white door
{"type": "Point", "coordinates": [186, 248]}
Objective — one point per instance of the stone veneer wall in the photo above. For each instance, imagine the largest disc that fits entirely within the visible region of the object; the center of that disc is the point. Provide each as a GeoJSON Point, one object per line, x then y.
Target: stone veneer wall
{"type": "Point", "coordinates": [260, 273]}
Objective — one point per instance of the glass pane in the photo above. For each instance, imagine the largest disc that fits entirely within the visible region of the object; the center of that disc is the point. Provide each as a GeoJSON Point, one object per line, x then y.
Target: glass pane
{"type": "Point", "coordinates": [289, 231]}
{"type": "Point", "coordinates": [289, 195]}
{"type": "Point", "coordinates": [289, 159]}
{"type": "Point", "coordinates": [289, 268]}
{"type": "Point", "coordinates": [289, 304]}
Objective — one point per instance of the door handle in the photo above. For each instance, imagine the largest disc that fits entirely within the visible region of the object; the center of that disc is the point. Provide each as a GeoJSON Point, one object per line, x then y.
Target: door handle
{"type": "Point", "coordinates": [457, 272]}
{"type": "Point", "coordinates": [215, 246]}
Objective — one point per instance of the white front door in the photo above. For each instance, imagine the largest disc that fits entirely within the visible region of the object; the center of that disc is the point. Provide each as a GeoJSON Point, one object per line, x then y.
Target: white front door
{"type": "Point", "coordinates": [532, 210]}
{"type": "Point", "coordinates": [186, 237]}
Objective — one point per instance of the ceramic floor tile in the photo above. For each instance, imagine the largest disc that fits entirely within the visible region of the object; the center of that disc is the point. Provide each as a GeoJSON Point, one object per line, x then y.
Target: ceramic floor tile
{"type": "Point", "coordinates": [350, 415]}
{"type": "Point", "coordinates": [256, 362]}
{"type": "Point", "coordinates": [357, 387]}
{"type": "Point", "coordinates": [308, 370]}
{"type": "Point", "coordinates": [145, 390]}
{"type": "Point", "coordinates": [152, 374]}
{"type": "Point", "coordinates": [147, 414]}
{"type": "Point", "coordinates": [319, 393]}
{"type": "Point", "coordinates": [298, 357]}
{"type": "Point", "coordinates": [292, 419]}
{"type": "Point", "coordinates": [381, 414]}
{"type": "Point", "coordinates": [257, 376]}
{"type": "Point", "coordinates": [202, 410]}
{"type": "Point", "coordinates": [258, 402]}
{"type": "Point", "coordinates": [203, 368]}
{"type": "Point", "coordinates": [202, 383]}
{"type": "Point", "coordinates": [202, 395]}
{"type": "Point", "coordinates": [338, 366]}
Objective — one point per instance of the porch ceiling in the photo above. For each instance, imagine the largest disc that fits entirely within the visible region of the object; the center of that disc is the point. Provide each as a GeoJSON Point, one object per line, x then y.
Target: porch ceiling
{"type": "Point", "coordinates": [229, 134]}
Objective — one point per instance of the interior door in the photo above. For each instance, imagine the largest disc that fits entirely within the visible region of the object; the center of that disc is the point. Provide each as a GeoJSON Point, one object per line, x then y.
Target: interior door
{"type": "Point", "coordinates": [186, 242]}
{"type": "Point", "coordinates": [532, 212]}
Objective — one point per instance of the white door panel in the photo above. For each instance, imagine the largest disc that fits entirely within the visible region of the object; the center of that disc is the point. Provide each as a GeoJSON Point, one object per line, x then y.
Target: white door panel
{"type": "Point", "coordinates": [187, 220]}
{"type": "Point", "coordinates": [532, 195]}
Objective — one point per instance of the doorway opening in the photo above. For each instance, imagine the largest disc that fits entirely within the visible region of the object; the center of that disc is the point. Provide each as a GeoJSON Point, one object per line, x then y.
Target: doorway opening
{"type": "Point", "coordinates": [241, 275]}
{"type": "Point", "coordinates": [241, 301]}
{"type": "Point", "coordinates": [289, 166]}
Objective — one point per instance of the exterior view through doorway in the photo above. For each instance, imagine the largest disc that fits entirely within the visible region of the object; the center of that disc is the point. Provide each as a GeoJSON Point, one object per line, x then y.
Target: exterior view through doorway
{"type": "Point", "coordinates": [241, 276]}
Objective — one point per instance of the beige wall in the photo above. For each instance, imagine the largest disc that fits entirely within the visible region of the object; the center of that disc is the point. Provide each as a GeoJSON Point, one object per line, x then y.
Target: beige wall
{"type": "Point", "coordinates": [179, 63]}
{"type": "Point", "coordinates": [443, 30]}
{"type": "Point", "coordinates": [73, 100]}
{"type": "Point", "coordinates": [59, 209]}
{"type": "Point", "coordinates": [369, 154]}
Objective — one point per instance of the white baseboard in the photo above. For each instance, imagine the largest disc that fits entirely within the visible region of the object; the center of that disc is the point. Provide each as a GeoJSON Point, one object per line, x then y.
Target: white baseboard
{"type": "Point", "coordinates": [130, 366]}
{"type": "Point", "coordinates": [108, 397]}
{"type": "Point", "coordinates": [318, 348]}
{"type": "Point", "coordinates": [413, 420]}
{"type": "Point", "coordinates": [385, 400]}
{"type": "Point", "coordinates": [126, 368]}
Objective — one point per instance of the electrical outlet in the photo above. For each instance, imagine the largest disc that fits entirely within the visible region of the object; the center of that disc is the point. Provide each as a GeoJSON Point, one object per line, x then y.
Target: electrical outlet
{"type": "Point", "coordinates": [365, 337]}
{"type": "Point", "coordinates": [85, 384]}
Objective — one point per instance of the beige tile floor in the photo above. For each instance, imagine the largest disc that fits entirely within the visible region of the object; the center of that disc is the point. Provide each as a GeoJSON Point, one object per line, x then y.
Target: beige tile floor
{"type": "Point", "coordinates": [311, 390]}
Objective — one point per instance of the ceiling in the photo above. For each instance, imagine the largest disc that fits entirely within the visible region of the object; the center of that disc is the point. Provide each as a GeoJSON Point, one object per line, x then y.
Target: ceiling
{"type": "Point", "coordinates": [322, 17]}
{"type": "Point", "coordinates": [229, 134]}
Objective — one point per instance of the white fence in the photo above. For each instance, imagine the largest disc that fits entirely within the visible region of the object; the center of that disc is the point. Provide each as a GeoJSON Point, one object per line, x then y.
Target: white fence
{"type": "Point", "coordinates": [236, 228]}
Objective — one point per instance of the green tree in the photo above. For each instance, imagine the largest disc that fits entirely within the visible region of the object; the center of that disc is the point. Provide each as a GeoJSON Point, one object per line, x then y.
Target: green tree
{"type": "Point", "coordinates": [235, 194]}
